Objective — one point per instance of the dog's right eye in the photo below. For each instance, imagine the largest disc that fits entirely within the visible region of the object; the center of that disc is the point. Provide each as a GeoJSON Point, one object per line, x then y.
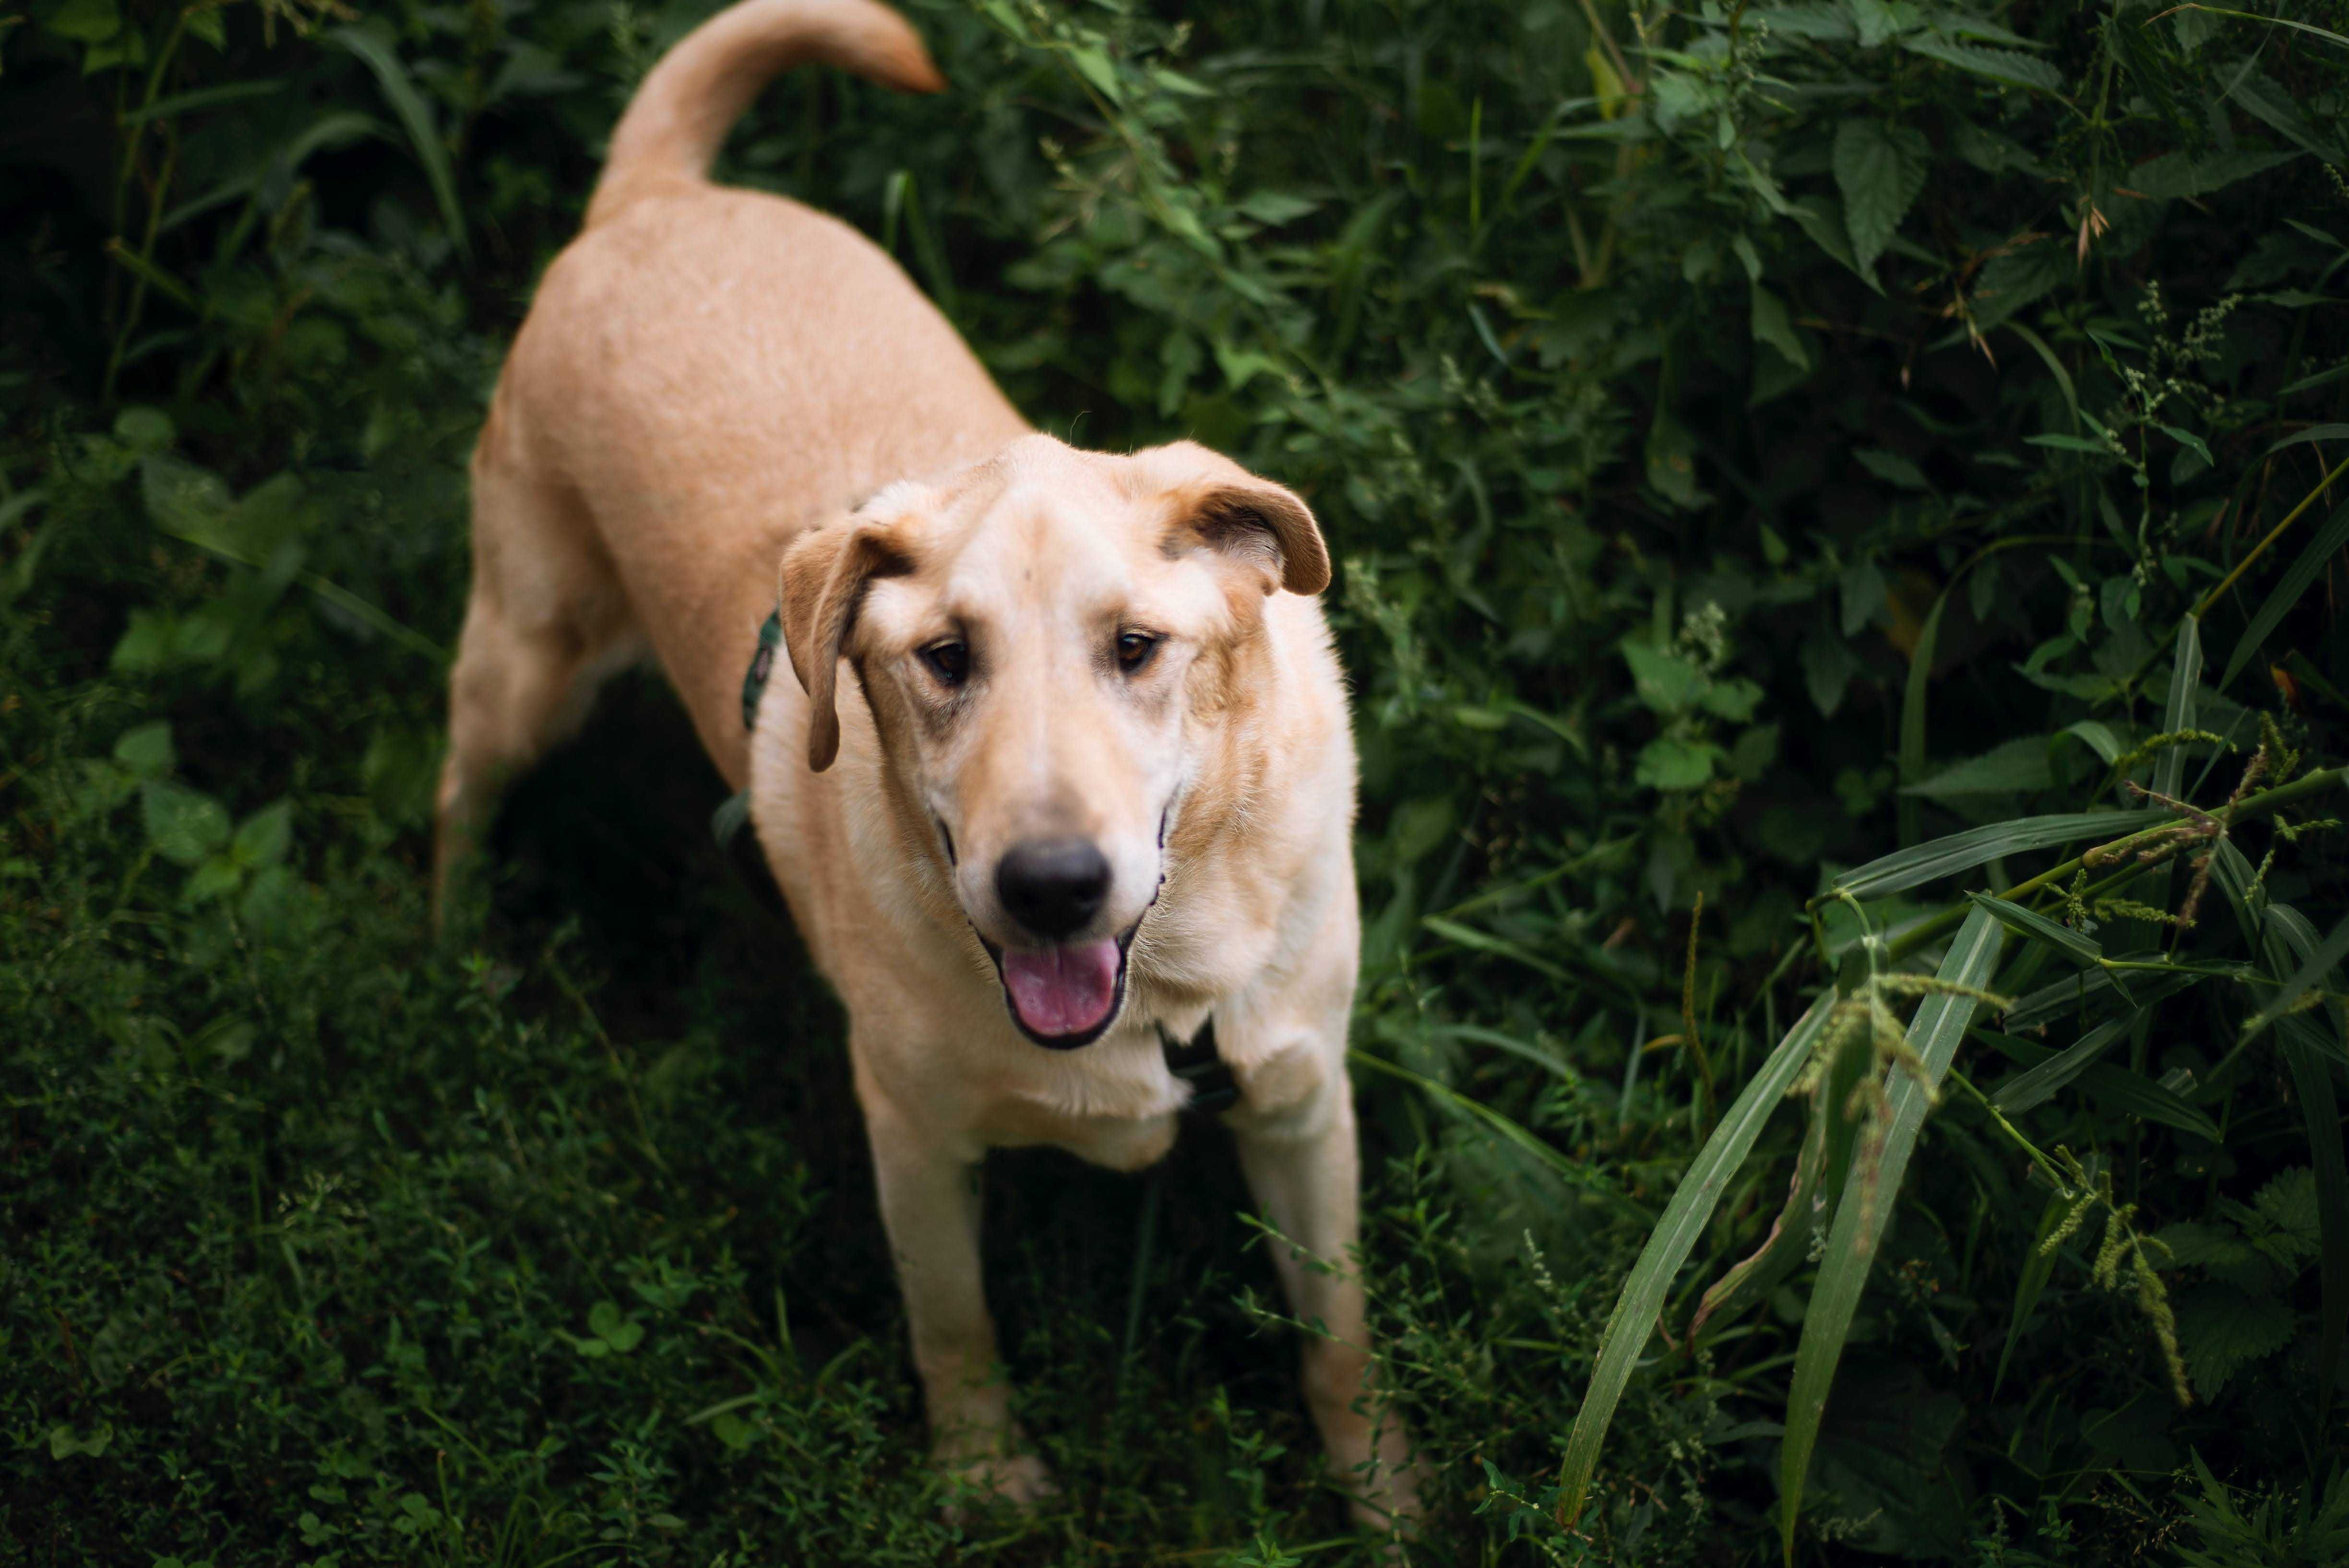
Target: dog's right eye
{"type": "Point", "coordinates": [949, 661]}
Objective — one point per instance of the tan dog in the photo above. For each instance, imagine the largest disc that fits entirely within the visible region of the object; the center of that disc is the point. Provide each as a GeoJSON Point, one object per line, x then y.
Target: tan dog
{"type": "Point", "coordinates": [1087, 778]}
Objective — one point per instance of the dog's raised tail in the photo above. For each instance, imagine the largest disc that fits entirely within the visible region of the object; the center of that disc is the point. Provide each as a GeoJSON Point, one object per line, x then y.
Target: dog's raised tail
{"type": "Point", "coordinates": [679, 116]}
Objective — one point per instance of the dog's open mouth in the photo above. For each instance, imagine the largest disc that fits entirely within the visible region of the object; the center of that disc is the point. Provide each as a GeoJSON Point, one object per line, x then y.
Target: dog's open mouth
{"type": "Point", "coordinates": [1064, 997]}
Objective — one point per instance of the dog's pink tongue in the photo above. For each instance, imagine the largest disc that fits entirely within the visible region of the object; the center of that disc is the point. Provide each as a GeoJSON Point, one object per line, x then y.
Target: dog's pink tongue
{"type": "Point", "coordinates": [1062, 990]}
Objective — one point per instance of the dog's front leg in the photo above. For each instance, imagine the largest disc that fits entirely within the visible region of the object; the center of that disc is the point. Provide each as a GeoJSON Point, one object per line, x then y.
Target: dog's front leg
{"type": "Point", "coordinates": [1295, 1130]}
{"type": "Point", "coordinates": [929, 1193]}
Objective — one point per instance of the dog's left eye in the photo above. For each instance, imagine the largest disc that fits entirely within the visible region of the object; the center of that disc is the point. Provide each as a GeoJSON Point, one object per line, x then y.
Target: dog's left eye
{"type": "Point", "coordinates": [1133, 650]}
{"type": "Point", "coordinates": [949, 661]}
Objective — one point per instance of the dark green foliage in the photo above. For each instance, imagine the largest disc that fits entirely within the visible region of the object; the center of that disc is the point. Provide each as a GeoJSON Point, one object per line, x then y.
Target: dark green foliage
{"type": "Point", "coordinates": [1789, 464]}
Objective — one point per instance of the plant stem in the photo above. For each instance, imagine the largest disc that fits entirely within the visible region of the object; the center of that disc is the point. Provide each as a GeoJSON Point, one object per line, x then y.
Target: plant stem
{"type": "Point", "coordinates": [2273, 534]}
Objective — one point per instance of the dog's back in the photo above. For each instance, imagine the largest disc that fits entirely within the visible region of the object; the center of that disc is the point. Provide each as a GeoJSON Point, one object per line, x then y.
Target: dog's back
{"type": "Point", "coordinates": [686, 326]}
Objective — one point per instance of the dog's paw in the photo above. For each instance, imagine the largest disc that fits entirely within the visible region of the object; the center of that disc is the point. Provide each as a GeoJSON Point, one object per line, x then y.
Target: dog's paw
{"type": "Point", "coordinates": [974, 1483]}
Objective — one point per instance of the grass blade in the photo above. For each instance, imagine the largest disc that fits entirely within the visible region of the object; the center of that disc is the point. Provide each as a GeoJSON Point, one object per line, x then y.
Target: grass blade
{"type": "Point", "coordinates": [1933, 1034]}
{"type": "Point", "coordinates": [1675, 1237]}
{"type": "Point", "coordinates": [415, 117]}
{"type": "Point", "coordinates": [2311, 1079]}
{"type": "Point", "coordinates": [2178, 714]}
{"type": "Point", "coordinates": [2026, 923]}
{"type": "Point", "coordinates": [2306, 978]}
{"type": "Point", "coordinates": [1577, 1175]}
{"type": "Point", "coordinates": [2134, 1094]}
{"type": "Point", "coordinates": [2036, 1086]}
{"type": "Point", "coordinates": [2036, 1271]}
{"type": "Point", "coordinates": [2325, 548]}
{"type": "Point", "coordinates": [1912, 717]}
{"type": "Point", "coordinates": [1978, 846]}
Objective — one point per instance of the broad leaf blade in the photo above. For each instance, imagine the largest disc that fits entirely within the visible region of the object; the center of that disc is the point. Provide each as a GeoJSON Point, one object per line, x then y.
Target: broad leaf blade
{"type": "Point", "coordinates": [1933, 1034]}
{"type": "Point", "coordinates": [1977, 846]}
{"type": "Point", "coordinates": [1669, 1245]}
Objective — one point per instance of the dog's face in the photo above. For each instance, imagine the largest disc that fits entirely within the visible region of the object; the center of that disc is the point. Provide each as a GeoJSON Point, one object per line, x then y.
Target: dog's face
{"type": "Point", "coordinates": [1051, 644]}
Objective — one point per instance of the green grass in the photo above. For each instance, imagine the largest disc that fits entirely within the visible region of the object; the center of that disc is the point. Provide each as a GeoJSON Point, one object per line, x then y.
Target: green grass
{"type": "Point", "coordinates": [1811, 487]}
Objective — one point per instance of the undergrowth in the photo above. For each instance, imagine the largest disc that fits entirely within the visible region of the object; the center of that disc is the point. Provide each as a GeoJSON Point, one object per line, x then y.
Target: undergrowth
{"type": "Point", "coordinates": [1839, 526]}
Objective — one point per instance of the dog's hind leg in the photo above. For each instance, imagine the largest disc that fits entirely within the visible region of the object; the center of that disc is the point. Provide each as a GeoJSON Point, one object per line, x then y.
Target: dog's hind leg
{"type": "Point", "coordinates": [546, 624]}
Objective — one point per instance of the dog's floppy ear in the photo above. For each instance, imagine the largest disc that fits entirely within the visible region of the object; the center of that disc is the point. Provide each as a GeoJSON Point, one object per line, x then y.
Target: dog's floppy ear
{"type": "Point", "coordinates": [826, 572]}
{"type": "Point", "coordinates": [1221, 504]}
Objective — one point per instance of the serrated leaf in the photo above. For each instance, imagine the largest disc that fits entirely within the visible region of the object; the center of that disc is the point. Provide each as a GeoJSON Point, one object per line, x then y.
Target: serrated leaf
{"type": "Point", "coordinates": [2221, 1330]}
{"type": "Point", "coordinates": [1669, 762]}
{"type": "Point", "coordinates": [2019, 767]}
{"type": "Point", "coordinates": [2194, 1245]}
{"type": "Point", "coordinates": [186, 827]}
{"type": "Point", "coordinates": [1880, 170]}
{"type": "Point", "coordinates": [2289, 1205]}
{"type": "Point", "coordinates": [1666, 682]}
{"type": "Point", "coordinates": [1944, 857]}
{"type": "Point", "coordinates": [2178, 174]}
{"type": "Point", "coordinates": [2008, 65]}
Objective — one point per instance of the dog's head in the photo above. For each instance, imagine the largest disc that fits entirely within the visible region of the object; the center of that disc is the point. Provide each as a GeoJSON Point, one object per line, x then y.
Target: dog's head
{"type": "Point", "coordinates": [1051, 643]}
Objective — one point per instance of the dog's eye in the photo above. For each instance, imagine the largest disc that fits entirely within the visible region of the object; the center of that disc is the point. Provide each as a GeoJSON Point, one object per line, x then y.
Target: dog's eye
{"type": "Point", "coordinates": [1133, 650]}
{"type": "Point", "coordinates": [949, 661]}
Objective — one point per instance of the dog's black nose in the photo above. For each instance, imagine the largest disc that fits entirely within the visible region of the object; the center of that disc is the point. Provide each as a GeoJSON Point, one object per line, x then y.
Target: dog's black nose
{"type": "Point", "coordinates": [1053, 886]}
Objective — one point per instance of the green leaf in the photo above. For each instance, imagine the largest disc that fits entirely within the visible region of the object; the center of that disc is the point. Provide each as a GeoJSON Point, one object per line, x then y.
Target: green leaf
{"type": "Point", "coordinates": [147, 752]}
{"type": "Point", "coordinates": [1669, 762]}
{"type": "Point", "coordinates": [215, 877]}
{"type": "Point", "coordinates": [1913, 716]}
{"type": "Point", "coordinates": [415, 116]}
{"type": "Point", "coordinates": [1880, 168]}
{"type": "Point", "coordinates": [1867, 1204]}
{"type": "Point", "coordinates": [2180, 174]}
{"type": "Point", "coordinates": [2037, 1269]}
{"type": "Point", "coordinates": [1666, 682]}
{"type": "Point", "coordinates": [263, 837]}
{"type": "Point", "coordinates": [1977, 846]}
{"type": "Point", "coordinates": [2134, 1094]}
{"type": "Point", "coordinates": [2221, 1330]}
{"type": "Point", "coordinates": [2308, 978]}
{"type": "Point", "coordinates": [2034, 1086]}
{"type": "Point", "coordinates": [2019, 767]}
{"type": "Point", "coordinates": [1634, 1319]}
{"type": "Point", "coordinates": [2323, 551]}
{"type": "Point", "coordinates": [1772, 325]}
{"type": "Point", "coordinates": [2311, 1079]}
{"type": "Point", "coordinates": [2178, 712]}
{"type": "Point", "coordinates": [85, 21]}
{"type": "Point", "coordinates": [185, 827]}
{"type": "Point", "coordinates": [2006, 65]}
{"type": "Point", "coordinates": [2039, 928]}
